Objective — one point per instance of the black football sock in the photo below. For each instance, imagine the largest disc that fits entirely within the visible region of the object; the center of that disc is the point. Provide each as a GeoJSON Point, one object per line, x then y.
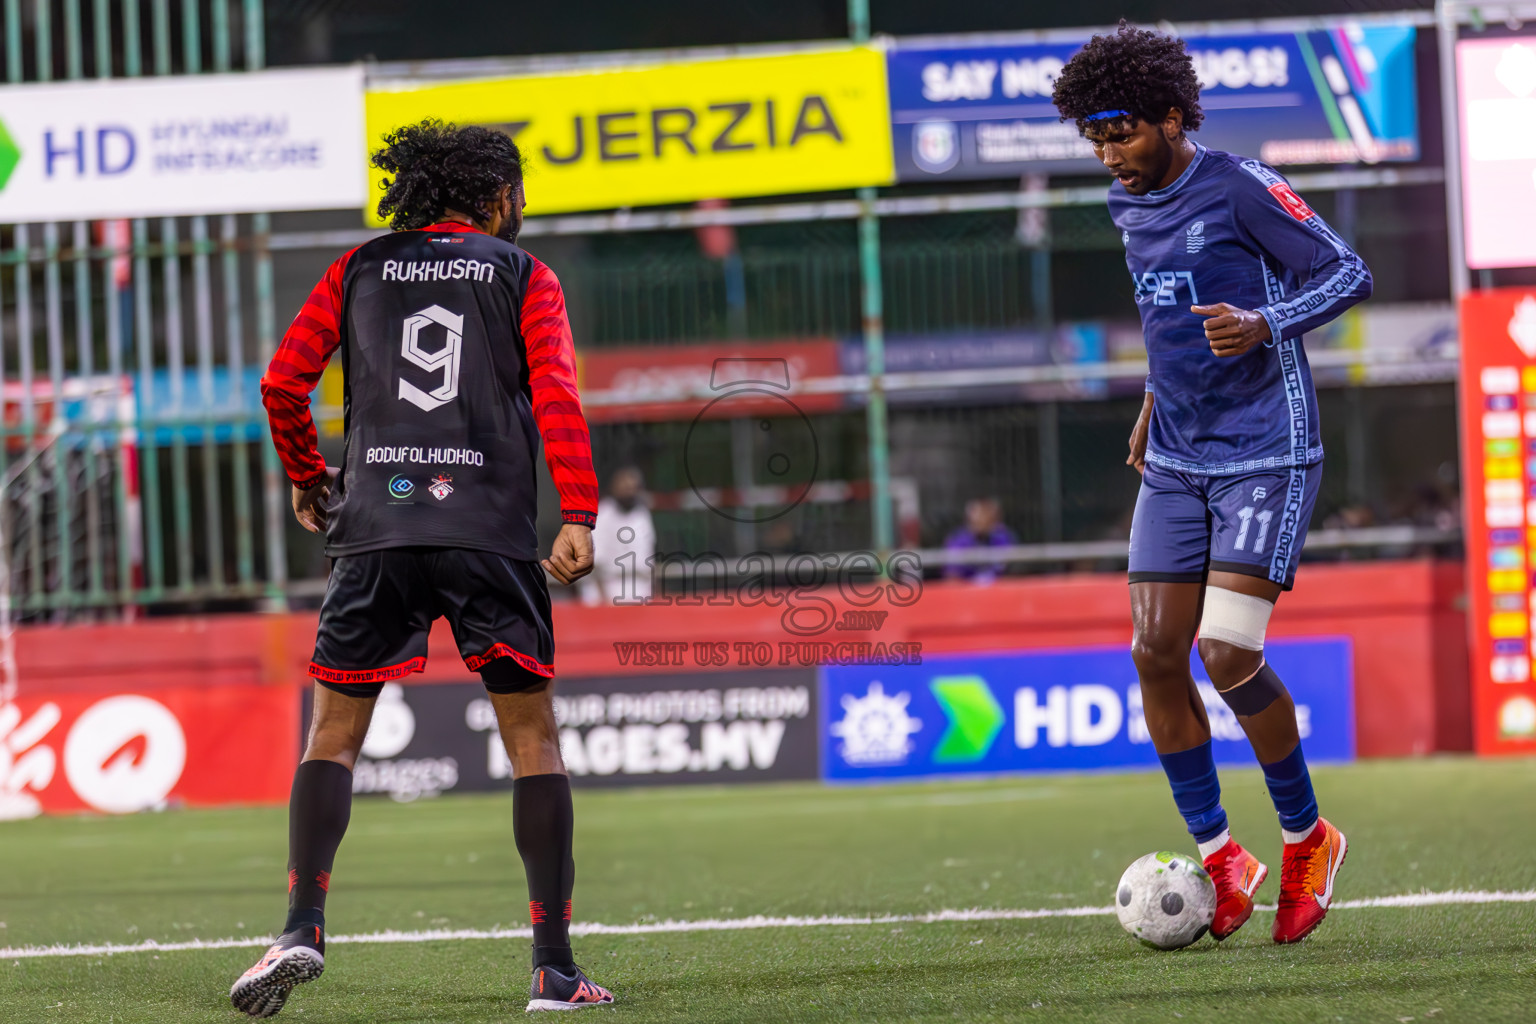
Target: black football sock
{"type": "Point", "coordinates": [542, 821]}
{"type": "Point", "coordinates": [318, 811]}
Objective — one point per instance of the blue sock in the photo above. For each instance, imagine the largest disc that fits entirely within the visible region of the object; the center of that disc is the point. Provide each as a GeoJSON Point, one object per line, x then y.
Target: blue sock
{"type": "Point", "coordinates": [1197, 791]}
{"type": "Point", "coordinates": [1290, 787]}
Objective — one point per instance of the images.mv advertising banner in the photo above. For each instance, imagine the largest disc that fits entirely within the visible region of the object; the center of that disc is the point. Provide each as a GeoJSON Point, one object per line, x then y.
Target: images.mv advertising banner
{"type": "Point", "coordinates": [431, 738]}
{"type": "Point", "coordinates": [1062, 710]}
{"type": "Point", "coordinates": [674, 132]}
{"type": "Point", "coordinates": [1345, 95]}
{"type": "Point", "coordinates": [182, 145]}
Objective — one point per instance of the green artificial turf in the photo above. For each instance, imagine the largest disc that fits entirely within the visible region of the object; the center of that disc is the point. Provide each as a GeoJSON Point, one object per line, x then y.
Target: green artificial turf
{"type": "Point", "coordinates": [692, 854]}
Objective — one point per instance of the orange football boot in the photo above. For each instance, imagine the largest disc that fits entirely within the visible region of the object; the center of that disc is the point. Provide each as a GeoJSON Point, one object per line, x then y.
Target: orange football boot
{"type": "Point", "coordinates": [1306, 881]}
{"type": "Point", "coordinates": [1238, 875]}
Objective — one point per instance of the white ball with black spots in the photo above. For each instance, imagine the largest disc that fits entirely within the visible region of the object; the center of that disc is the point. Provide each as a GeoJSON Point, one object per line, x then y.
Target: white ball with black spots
{"type": "Point", "coordinates": [1166, 900]}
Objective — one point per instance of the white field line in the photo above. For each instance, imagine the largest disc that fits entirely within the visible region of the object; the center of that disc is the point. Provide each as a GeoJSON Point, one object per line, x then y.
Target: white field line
{"type": "Point", "coordinates": [757, 921]}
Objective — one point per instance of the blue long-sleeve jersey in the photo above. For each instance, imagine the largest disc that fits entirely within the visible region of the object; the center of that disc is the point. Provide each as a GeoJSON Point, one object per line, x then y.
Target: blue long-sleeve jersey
{"type": "Point", "coordinates": [1231, 230]}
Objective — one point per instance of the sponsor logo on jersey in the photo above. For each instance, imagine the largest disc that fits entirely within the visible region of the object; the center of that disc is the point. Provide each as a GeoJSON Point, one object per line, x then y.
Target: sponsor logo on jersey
{"type": "Point", "coordinates": [441, 487]}
{"type": "Point", "coordinates": [1260, 493]}
{"type": "Point", "coordinates": [401, 487]}
{"type": "Point", "coordinates": [1293, 203]}
{"type": "Point", "coordinates": [1194, 237]}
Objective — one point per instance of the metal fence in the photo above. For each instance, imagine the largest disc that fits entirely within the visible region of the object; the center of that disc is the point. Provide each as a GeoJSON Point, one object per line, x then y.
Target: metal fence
{"type": "Point", "coordinates": [138, 475]}
{"type": "Point", "coordinates": [134, 469]}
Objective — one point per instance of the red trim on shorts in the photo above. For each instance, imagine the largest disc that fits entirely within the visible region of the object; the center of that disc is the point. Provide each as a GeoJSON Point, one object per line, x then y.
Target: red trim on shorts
{"type": "Point", "coordinates": [367, 675]}
{"type": "Point", "coordinates": [475, 664]}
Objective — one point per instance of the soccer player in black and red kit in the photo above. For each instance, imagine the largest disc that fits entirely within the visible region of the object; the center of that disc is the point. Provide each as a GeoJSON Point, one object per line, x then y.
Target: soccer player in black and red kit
{"type": "Point", "coordinates": [457, 358]}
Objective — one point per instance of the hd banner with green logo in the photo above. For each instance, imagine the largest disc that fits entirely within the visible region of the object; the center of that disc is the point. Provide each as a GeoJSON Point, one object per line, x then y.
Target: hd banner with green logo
{"type": "Point", "coordinates": [1059, 710]}
{"type": "Point", "coordinates": [181, 145]}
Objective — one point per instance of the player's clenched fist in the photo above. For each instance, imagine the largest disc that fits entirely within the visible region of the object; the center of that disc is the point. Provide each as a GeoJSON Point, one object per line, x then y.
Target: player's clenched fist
{"type": "Point", "coordinates": [571, 557]}
{"type": "Point", "coordinates": [309, 505]}
{"type": "Point", "coordinates": [1232, 331]}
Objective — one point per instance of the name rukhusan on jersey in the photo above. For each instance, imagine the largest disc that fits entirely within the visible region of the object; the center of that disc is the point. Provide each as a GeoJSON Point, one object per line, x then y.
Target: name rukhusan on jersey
{"type": "Point", "coordinates": [456, 358]}
{"type": "Point", "coordinates": [1232, 230]}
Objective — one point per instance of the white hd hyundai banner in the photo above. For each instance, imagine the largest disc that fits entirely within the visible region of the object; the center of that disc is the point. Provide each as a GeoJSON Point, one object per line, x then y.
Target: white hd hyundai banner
{"type": "Point", "coordinates": [237, 143]}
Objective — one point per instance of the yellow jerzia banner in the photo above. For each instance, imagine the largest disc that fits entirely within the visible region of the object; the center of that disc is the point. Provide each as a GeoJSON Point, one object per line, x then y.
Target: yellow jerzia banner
{"type": "Point", "coordinates": [670, 133]}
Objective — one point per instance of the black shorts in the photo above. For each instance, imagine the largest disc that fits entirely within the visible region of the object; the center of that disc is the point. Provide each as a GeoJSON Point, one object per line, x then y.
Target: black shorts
{"type": "Point", "coordinates": [380, 605]}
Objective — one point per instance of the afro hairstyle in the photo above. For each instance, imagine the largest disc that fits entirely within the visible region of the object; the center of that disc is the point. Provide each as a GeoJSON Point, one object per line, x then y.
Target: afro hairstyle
{"type": "Point", "coordinates": [1135, 70]}
{"type": "Point", "coordinates": [437, 166]}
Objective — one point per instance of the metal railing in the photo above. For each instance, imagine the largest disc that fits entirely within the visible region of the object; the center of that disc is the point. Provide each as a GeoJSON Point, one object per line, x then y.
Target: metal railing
{"type": "Point", "coordinates": [125, 345]}
{"type": "Point", "coordinates": [129, 349]}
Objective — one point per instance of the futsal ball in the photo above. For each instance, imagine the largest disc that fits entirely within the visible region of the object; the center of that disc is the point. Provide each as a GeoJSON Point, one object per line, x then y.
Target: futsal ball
{"type": "Point", "coordinates": [1166, 900]}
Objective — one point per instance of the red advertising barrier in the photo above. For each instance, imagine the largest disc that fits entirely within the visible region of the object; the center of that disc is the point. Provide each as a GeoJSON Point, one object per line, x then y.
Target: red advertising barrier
{"type": "Point", "coordinates": [230, 686]}
{"type": "Point", "coordinates": [136, 750]}
{"type": "Point", "coordinates": [1498, 432]}
{"type": "Point", "coordinates": [746, 378]}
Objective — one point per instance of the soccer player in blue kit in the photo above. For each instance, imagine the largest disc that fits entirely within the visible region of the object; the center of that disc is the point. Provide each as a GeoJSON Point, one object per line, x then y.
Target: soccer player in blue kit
{"type": "Point", "coordinates": [1230, 269]}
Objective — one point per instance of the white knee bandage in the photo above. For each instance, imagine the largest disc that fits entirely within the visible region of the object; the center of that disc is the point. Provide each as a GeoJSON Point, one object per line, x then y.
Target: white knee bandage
{"type": "Point", "coordinates": [1238, 619]}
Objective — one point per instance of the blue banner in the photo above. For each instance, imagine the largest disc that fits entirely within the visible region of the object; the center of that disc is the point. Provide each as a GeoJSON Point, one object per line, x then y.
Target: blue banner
{"type": "Point", "coordinates": [1345, 95]}
{"type": "Point", "coordinates": [1051, 711]}
{"type": "Point", "coordinates": [230, 409]}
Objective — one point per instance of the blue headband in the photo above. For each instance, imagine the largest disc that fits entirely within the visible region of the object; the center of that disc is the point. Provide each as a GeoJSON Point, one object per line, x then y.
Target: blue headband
{"type": "Point", "coordinates": [1104, 115]}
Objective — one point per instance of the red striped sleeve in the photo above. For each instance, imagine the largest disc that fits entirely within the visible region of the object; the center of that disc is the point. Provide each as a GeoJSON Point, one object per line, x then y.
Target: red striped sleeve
{"type": "Point", "coordinates": [556, 404]}
{"type": "Point", "coordinates": [293, 373]}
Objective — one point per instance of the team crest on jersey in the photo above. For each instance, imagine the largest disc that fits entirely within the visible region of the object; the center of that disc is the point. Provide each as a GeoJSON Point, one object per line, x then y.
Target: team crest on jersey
{"type": "Point", "coordinates": [441, 487]}
{"type": "Point", "coordinates": [1194, 237]}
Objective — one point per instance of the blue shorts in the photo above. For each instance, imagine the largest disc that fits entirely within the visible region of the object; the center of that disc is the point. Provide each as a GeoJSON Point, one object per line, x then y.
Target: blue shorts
{"type": "Point", "coordinates": [1254, 524]}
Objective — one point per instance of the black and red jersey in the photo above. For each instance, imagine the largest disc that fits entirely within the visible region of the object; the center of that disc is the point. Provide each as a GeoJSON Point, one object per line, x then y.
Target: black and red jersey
{"type": "Point", "coordinates": [456, 358]}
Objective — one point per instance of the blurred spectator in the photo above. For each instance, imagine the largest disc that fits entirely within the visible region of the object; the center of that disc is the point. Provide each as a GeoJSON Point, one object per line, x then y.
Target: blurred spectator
{"type": "Point", "coordinates": [1351, 517]}
{"type": "Point", "coordinates": [780, 537]}
{"type": "Point", "coordinates": [984, 528]}
{"type": "Point", "coordinates": [1432, 506]}
{"type": "Point", "coordinates": [623, 543]}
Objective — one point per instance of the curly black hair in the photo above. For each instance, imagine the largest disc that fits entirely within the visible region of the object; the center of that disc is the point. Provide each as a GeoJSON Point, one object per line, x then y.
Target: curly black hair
{"type": "Point", "coordinates": [1134, 70]}
{"type": "Point", "coordinates": [438, 166]}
